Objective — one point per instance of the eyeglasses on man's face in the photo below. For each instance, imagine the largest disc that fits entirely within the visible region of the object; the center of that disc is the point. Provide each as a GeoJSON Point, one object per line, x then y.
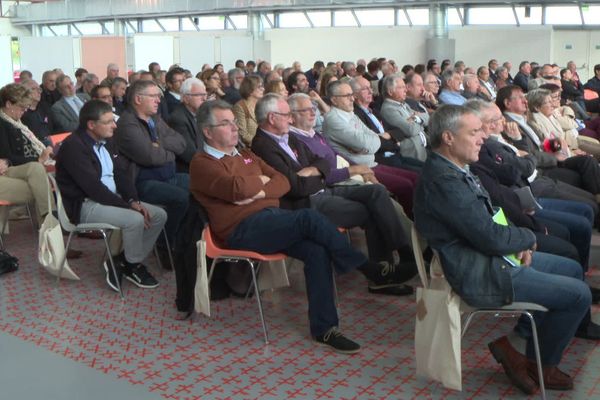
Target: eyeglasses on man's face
{"type": "Point", "coordinates": [226, 122]}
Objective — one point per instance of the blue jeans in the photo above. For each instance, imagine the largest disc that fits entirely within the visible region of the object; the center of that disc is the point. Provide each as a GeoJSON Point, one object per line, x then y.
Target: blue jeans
{"type": "Point", "coordinates": [577, 217]}
{"type": "Point", "coordinates": [172, 195]}
{"type": "Point", "coordinates": [308, 236]}
{"type": "Point", "coordinates": [557, 284]}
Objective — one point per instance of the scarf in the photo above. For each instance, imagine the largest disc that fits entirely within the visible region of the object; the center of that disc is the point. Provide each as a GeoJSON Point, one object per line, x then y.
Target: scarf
{"type": "Point", "coordinates": [37, 145]}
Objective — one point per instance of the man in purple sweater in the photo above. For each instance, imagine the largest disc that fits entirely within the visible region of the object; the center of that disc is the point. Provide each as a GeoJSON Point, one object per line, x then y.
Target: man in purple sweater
{"type": "Point", "coordinates": [317, 183]}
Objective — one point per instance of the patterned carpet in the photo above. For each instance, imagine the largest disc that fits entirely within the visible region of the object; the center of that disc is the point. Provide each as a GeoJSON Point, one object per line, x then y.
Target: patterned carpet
{"type": "Point", "coordinates": [138, 341]}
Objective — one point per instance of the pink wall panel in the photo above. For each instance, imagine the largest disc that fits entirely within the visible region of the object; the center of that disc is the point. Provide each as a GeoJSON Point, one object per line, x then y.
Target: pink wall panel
{"type": "Point", "coordinates": [98, 52]}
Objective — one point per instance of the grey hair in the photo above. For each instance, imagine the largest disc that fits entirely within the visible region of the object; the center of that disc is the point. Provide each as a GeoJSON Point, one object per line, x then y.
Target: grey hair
{"type": "Point", "coordinates": [347, 65]}
{"type": "Point", "coordinates": [446, 118]}
{"type": "Point", "coordinates": [267, 104]}
{"type": "Point", "coordinates": [354, 84]}
{"type": "Point", "coordinates": [500, 69]}
{"type": "Point", "coordinates": [469, 77]}
{"type": "Point", "coordinates": [137, 88]}
{"type": "Point", "coordinates": [205, 116]}
{"type": "Point", "coordinates": [294, 99]}
{"type": "Point", "coordinates": [535, 98]}
{"type": "Point", "coordinates": [90, 77]}
{"type": "Point", "coordinates": [186, 86]}
{"type": "Point", "coordinates": [447, 75]}
{"type": "Point", "coordinates": [112, 66]}
{"type": "Point", "coordinates": [478, 106]}
{"type": "Point", "coordinates": [232, 73]}
{"type": "Point", "coordinates": [389, 84]}
{"type": "Point", "coordinates": [334, 88]}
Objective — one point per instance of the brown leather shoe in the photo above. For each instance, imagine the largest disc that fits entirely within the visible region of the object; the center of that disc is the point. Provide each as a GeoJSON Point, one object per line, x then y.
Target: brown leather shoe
{"type": "Point", "coordinates": [73, 254]}
{"type": "Point", "coordinates": [554, 378]}
{"type": "Point", "coordinates": [514, 364]}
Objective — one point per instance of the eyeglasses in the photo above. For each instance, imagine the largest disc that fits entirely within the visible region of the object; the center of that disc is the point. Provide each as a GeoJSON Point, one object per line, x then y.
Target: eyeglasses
{"type": "Point", "coordinates": [202, 95]}
{"type": "Point", "coordinates": [154, 96]}
{"type": "Point", "coordinates": [226, 122]}
{"type": "Point", "coordinates": [346, 96]}
{"type": "Point", "coordinates": [308, 109]}
{"type": "Point", "coordinates": [287, 115]}
{"type": "Point", "coordinates": [432, 83]}
{"type": "Point", "coordinates": [368, 88]}
{"type": "Point", "coordinates": [107, 122]}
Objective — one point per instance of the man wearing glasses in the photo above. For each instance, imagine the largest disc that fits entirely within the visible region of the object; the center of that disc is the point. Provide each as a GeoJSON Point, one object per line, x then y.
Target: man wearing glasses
{"type": "Point", "coordinates": [151, 146]}
{"type": "Point", "coordinates": [183, 120]}
{"type": "Point", "coordinates": [96, 188]}
{"type": "Point", "coordinates": [240, 193]}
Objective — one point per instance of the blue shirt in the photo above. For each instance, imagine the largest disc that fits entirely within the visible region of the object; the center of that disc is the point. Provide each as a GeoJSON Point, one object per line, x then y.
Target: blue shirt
{"type": "Point", "coordinates": [218, 154]}
{"type": "Point", "coordinates": [448, 97]}
{"type": "Point", "coordinates": [282, 141]}
{"type": "Point", "coordinates": [107, 176]}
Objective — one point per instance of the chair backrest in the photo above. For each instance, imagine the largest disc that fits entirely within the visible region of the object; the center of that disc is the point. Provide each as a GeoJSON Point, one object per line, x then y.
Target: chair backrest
{"type": "Point", "coordinates": [57, 138]}
{"type": "Point", "coordinates": [63, 218]}
{"type": "Point", "coordinates": [418, 253]}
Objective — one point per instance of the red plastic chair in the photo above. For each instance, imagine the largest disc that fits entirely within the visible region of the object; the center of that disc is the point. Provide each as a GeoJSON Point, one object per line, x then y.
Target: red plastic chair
{"type": "Point", "coordinates": [254, 259]}
{"type": "Point", "coordinates": [57, 139]}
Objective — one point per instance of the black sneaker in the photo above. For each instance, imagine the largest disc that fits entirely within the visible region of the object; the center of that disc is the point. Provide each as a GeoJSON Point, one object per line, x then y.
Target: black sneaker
{"type": "Point", "coordinates": [139, 276]}
{"type": "Point", "coordinates": [393, 289]}
{"type": "Point", "coordinates": [337, 342]}
{"type": "Point", "coordinates": [385, 273]}
{"type": "Point", "coordinates": [110, 277]}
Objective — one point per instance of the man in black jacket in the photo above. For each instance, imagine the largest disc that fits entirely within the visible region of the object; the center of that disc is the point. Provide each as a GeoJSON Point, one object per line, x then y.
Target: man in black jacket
{"type": "Point", "coordinates": [96, 189]}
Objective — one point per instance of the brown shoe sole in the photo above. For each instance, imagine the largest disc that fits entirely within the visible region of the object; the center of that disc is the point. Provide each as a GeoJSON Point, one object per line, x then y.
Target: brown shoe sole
{"type": "Point", "coordinates": [499, 357]}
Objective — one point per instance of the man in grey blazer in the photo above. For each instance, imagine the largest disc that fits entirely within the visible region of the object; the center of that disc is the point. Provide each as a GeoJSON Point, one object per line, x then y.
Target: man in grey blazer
{"type": "Point", "coordinates": [405, 125]}
{"type": "Point", "coordinates": [65, 112]}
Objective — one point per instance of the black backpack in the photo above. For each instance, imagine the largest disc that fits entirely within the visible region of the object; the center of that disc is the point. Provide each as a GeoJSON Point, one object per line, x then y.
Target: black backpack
{"type": "Point", "coordinates": [8, 263]}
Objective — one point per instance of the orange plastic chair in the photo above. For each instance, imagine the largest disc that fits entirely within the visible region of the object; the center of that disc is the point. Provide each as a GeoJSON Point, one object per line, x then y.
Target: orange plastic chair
{"type": "Point", "coordinates": [58, 138]}
{"type": "Point", "coordinates": [253, 258]}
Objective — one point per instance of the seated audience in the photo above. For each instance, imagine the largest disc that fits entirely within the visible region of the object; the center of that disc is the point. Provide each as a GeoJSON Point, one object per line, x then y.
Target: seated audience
{"type": "Point", "coordinates": [240, 193]}
{"type": "Point", "coordinates": [172, 95]}
{"type": "Point", "coordinates": [212, 82]}
{"type": "Point", "coordinates": [522, 77]}
{"type": "Point", "coordinates": [353, 140]}
{"type": "Point", "coordinates": [232, 93]}
{"type": "Point", "coordinates": [277, 87]}
{"type": "Point", "coordinates": [37, 116]}
{"type": "Point", "coordinates": [404, 124]}
{"type": "Point", "coordinates": [118, 90]}
{"type": "Point", "coordinates": [97, 189]}
{"type": "Point", "coordinates": [346, 206]}
{"type": "Point", "coordinates": [65, 112]}
{"type": "Point", "coordinates": [251, 90]}
{"type": "Point", "coordinates": [23, 177]}
{"type": "Point", "coordinates": [454, 215]}
{"type": "Point", "coordinates": [451, 83]}
{"type": "Point", "coordinates": [418, 98]}
{"type": "Point", "coordinates": [183, 120]}
{"type": "Point", "coordinates": [112, 71]}
{"type": "Point", "coordinates": [88, 83]}
{"type": "Point", "coordinates": [50, 94]}
{"type": "Point", "coordinates": [150, 148]}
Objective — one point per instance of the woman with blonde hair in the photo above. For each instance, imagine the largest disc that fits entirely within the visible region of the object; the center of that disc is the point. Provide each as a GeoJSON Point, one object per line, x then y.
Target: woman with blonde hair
{"type": "Point", "coordinates": [251, 90]}
{"type": "Point", "coordinates": [277, 87]}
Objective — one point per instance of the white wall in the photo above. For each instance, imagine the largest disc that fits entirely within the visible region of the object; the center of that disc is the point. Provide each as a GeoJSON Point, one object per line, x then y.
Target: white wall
{"type": "Point", "coordinates": [57, 53]}
{"type": "Point", "coordinates": [6, 75]}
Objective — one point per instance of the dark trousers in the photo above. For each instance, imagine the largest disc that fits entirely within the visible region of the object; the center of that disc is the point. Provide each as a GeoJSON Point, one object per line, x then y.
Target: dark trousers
{"type": "Point", "coordinates": [307, 236]}
{"type": "Point", "coordinates": [579, 171]}
{"type": "Point", "coordinates": [172, 195]}
{"type": "Point", "coordinates": [367, 206]}
{"type": "Point", "coordinates": [400, 182]}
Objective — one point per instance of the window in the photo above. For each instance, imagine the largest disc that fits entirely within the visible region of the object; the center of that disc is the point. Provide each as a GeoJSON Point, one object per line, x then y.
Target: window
{"type": "Point", "coordinates": [344, 18]}
{"type": "Point", "coordinates": [453, 17]}
{"type": "Point", "coordinates": [419, 16]}
{"type": "Point", "coordinates": [401, 19]}
{"type": "Point", "coordinates": [110, 27]}
{"type": "Point", "coordinates": [591, 14]}
{"type": "Point", "coordinates": [382, 17]}
{"type": "Point", "coordinates": [293, 20]}
{"type": "Point", "coordinates": [563, 15]}
{"type": "Point", "coordinates": [320, 18]}
{"type": "Point", "coordinates": [491, 16]}
{"type": "Point", "coordinates": [87, 28]}
{"type": "Point", "coordinates": [170, 24]}
{"type": "Point", "coordinates": [187, 24]}
{"type": "Point", "coordinates": [268, 20]}
{"type": "Point", "coordinates": [150, 25]}
{"type": "Point", "coordinates": [240, 21]}
{"type": "Point", "coordinates": [529, 15]}
{"type": "Point", "coordinates": [212, 23]}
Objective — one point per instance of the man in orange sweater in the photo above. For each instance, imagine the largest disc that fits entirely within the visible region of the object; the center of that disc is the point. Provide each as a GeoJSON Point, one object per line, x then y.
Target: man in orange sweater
{"type": "Point", "coordinates": [240, 193]}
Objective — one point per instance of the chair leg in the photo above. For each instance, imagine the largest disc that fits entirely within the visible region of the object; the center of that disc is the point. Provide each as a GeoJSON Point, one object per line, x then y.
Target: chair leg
{"type": "Point", "coordinates": [260, 309]}
{"type": "Point", "coordinates": [538, 358]}
{"type": "Point", "coordinates": [249, 291]}
{"type": "Point", "coordinates": [160, 266]}
{"type": "Point", "coordinates": [30, 214]}
{"type": "Point", "coordinates": [467, 323]}
{"type": "Point", "coordinates": [64, 260]}
{"type": "Point", "coordinates": [169, 250]}
{"type": "Point", "coordinates": [112, 263]}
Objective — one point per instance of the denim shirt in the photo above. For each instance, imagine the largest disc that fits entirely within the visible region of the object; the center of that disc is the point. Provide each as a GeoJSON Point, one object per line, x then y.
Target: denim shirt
{"type": "Point", "coordinates": [453, 212]}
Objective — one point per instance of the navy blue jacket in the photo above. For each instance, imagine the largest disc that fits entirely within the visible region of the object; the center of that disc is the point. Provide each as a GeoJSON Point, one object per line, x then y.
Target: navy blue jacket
{"type": "Point", "coordinates": [454, 214]}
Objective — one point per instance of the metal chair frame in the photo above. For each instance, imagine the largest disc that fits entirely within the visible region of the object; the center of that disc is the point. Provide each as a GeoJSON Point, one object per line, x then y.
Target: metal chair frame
{"type": "Point", "coordinates": [511, 310]}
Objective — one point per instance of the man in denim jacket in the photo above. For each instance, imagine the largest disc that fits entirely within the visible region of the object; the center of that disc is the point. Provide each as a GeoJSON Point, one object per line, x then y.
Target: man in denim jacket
{"type": "Point", "coordinates": [453, 212]}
